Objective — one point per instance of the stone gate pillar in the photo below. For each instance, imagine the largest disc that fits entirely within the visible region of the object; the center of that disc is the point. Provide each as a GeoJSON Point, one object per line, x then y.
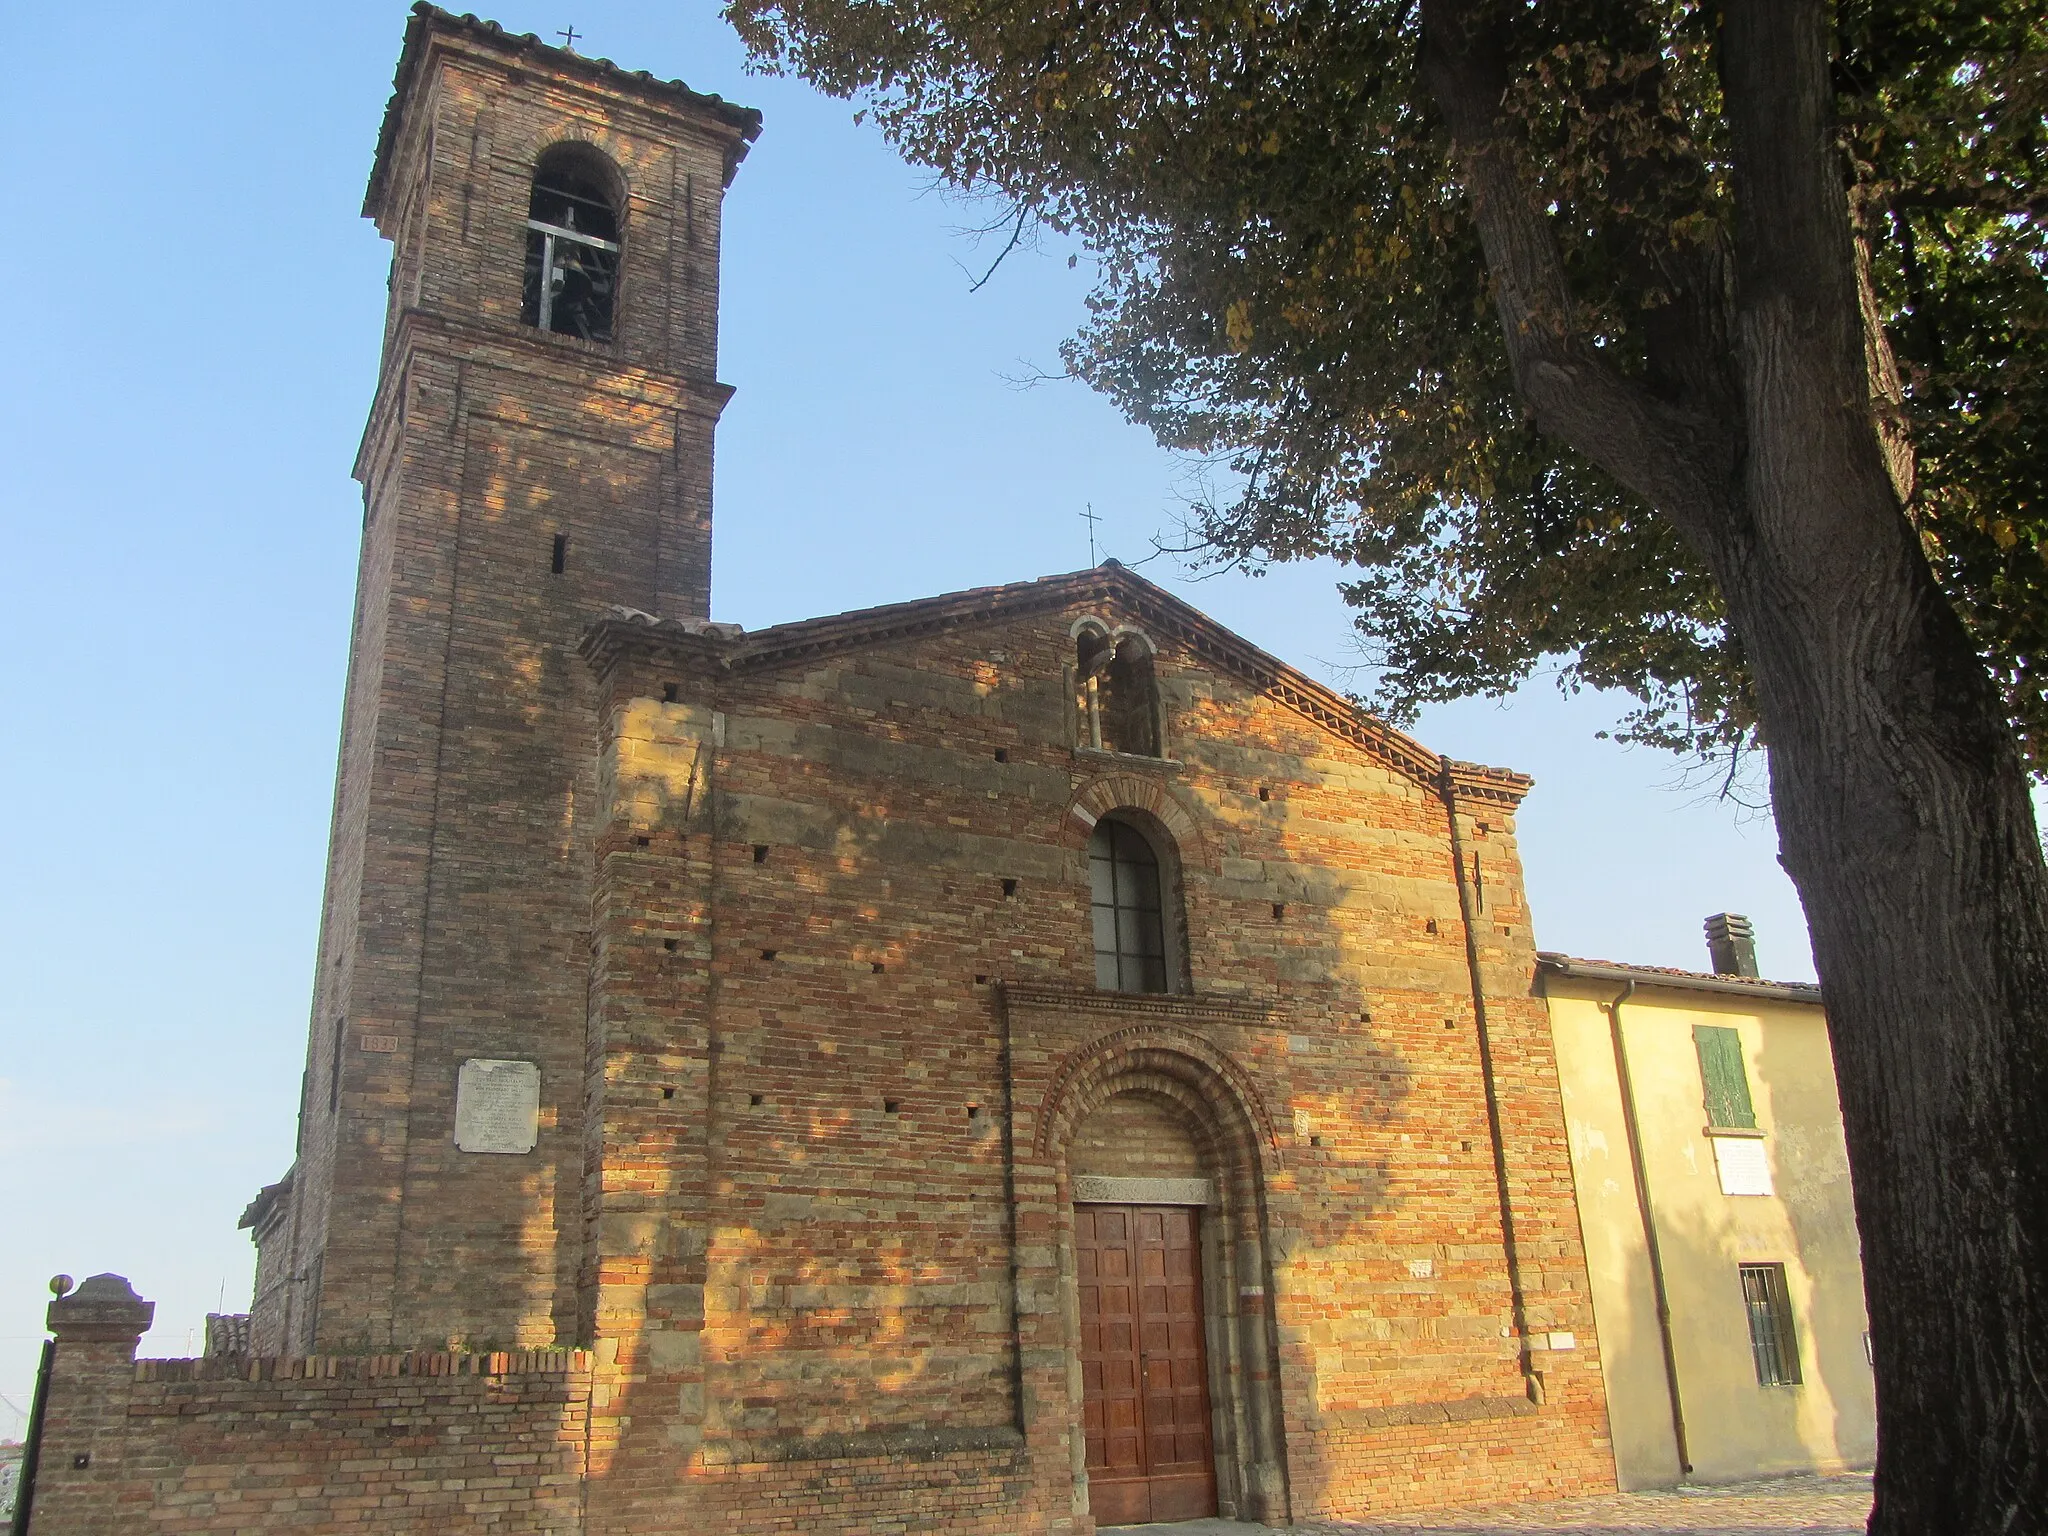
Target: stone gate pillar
{"type": "Point", "coordinates": [85, 1416]}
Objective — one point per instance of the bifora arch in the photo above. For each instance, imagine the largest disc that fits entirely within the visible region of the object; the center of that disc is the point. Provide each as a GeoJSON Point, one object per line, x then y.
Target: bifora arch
{"type": "Point", "coordinates": [1220, 1108]}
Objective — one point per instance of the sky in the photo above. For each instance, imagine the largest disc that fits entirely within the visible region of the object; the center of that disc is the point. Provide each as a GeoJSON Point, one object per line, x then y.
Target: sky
{"type": "Point", "coordinates": [191, 349]}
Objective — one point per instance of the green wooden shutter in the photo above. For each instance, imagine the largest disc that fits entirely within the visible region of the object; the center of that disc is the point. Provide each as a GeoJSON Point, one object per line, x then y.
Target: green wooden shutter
{"type": "Point", "coordinates": [1727, 1083]}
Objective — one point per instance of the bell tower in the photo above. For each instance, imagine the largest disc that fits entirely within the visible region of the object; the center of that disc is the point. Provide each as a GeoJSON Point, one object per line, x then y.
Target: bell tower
{"type": "Point", "coordinates": [539, 450]}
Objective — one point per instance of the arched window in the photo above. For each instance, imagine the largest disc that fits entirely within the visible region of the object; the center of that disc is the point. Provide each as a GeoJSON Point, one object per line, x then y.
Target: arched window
{"type": "Point", "coordinates": [1126, 896]}
{"type": "Point", "coordinates": [572, 245]}
{"type": "Point", "coordinates": [1119, 697]}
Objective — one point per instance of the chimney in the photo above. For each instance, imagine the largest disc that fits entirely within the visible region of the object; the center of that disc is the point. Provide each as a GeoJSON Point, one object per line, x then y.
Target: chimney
{"type": "Point", "coordinates": [1732, 943]}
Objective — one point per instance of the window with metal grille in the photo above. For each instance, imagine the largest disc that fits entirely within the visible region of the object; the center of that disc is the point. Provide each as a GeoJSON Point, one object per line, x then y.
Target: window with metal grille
{"type": "Point", "coordinates": [1124, 889]}
{"type": "Point", "coordinates": [1771, 1340]}
{"type": "Point", "coordinates": [572, 247]}
{"type": "Point", "coordinates": [1724, 1077]}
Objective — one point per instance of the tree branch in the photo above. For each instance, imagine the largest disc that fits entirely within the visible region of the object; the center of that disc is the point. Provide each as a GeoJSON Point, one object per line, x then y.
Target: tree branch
{"type": "Point", "coordinates": [1803, 327]}
{"type": "Point", "coordinates": [1676, 459]}
{"type": "Point", "coordinates": [1016, 234]}
{"type": "Point", "coordinates": [1992, 197]}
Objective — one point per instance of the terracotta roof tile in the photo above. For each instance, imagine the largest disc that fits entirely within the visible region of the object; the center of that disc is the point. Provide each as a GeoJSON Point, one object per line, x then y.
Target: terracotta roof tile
{"type": "Point", "coordinates": [427, 19]}
{"type": "Point", "coordinates": [1671, 976]}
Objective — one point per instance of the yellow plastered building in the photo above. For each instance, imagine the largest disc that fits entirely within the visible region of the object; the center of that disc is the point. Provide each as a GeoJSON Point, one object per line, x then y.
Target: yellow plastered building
{"type": "Point", "coordinates": [1720, 1228]}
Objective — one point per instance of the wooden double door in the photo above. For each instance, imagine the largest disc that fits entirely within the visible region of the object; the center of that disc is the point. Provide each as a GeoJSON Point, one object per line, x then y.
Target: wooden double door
{"type": "Point", "coordinates": [1144, 1371]}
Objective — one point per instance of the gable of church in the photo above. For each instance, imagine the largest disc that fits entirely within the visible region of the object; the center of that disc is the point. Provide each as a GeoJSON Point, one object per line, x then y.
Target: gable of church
{"type": "Point", "coordinates": [952, 740]}
{"type": "Point", "coordinates": [1021, 641]}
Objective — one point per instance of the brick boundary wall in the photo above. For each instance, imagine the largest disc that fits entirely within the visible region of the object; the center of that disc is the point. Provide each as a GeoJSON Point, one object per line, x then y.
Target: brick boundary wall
{"type": "Point", "coordinates": [413, 1443]}
{"type": "Point", "coordinates": [526, 1443]}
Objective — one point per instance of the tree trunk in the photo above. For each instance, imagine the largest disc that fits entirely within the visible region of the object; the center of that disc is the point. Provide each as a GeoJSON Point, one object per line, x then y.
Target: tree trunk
{"type": "Point", "coordinates": [1905, 821]}
{"type": "Point", "coordinates": [1901, 800]}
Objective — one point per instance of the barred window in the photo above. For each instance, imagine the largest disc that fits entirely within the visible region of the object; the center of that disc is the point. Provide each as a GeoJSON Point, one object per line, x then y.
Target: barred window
{"type": "Point", "coordinates": [1772, 1342]}
{"type": "Point", "coordinates": [572, 246]}
{"type": "Point", "coordinates": [1124, 889]}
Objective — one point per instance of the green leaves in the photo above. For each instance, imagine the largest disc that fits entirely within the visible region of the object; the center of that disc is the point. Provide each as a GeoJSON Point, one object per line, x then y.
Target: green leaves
{"type": "Point", "coordinates": [1291, 286]}
{"type": "Point", "coordinates": [1943, 107]}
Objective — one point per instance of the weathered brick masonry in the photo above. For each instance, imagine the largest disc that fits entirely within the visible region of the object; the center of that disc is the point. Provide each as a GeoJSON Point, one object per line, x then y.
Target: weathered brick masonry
{"type": "Point", "coordinates": [802, 931]}
{"type": "Point", "coordinates": [845, 991]}
{"type": "Point", "coordinates": [457, 914]}
{"type": "Point", "coordinates": [415, 1443]}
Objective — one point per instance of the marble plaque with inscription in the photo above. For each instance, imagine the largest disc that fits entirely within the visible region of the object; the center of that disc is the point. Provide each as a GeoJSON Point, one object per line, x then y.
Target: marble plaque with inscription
{"type": "Point", "coordinates": [1743, 1167]}
{"type": "Point", "coordinates": [497, 1106]}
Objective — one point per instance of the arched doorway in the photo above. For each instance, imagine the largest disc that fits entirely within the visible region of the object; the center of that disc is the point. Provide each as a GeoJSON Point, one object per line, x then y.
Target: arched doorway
{"type": "Point", "coordinates": [1162, 1154]}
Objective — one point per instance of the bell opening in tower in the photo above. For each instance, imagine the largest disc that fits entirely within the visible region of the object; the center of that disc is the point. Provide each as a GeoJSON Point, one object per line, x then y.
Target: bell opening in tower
{"type": "Point", "coordinates": [572, 245]}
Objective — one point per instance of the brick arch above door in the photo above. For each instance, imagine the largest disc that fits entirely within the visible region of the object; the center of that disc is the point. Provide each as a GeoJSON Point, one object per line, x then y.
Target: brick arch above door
{"type": "Point", "coordinates": [1221, 1106]}
{"type": "Point", "coordinates": [1224, 1103]}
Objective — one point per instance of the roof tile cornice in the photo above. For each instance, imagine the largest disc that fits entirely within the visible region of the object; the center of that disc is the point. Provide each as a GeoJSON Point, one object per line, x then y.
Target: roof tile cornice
{"type": "Point", "coordinates": [1492, 786]}
{"type": "Point", "coordinates": [429, 20]}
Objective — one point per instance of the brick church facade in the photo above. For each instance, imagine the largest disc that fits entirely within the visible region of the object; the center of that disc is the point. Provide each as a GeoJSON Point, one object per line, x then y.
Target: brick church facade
{"type": "Point", "coordinates": [1017, 1061]}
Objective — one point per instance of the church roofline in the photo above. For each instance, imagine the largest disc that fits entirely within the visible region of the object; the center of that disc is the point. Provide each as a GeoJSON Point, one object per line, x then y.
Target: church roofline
{"type": "Point", "coordinates": [268, 1201]}
{"type": "Point", "coordinates": [808, 639]}
{"type": "Point", "coordinates": [428, 20]}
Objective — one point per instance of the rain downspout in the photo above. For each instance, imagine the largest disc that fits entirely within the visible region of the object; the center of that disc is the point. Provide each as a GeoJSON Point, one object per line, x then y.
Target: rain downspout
{"type": "Point", "coordinates": [1470, 902]}
{"type": "Point", "coordinates": [1633, 1128]}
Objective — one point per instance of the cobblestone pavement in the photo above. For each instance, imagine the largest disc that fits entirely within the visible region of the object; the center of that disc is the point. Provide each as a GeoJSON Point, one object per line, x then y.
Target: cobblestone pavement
{"type": "Point", "coordinates": [1836, 1506]}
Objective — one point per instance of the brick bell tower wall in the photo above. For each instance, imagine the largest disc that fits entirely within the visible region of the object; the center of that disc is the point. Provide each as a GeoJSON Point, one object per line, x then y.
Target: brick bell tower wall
{"type": "Point", "coordinates": [516, 484]}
